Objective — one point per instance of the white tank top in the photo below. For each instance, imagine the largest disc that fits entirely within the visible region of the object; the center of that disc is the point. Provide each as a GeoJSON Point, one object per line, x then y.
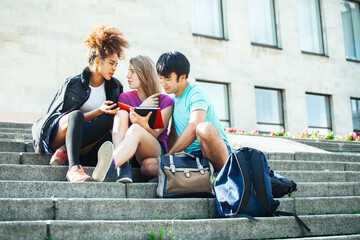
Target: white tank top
{"type": "Point", "coordinates": [96, 99]}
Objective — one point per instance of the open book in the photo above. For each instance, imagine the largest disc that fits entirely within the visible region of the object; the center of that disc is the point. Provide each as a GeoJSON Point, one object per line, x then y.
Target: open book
{"type": "Point", "coordinates": [155, 120]}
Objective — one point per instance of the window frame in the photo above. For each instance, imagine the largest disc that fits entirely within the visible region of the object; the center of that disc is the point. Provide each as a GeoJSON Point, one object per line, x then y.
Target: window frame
{"type": "Point", "coordinates": [228, 97]}
{"type": "Point", "coordinates": [277, 44]}
{"type": "Point", "coordinates": [223, 32]}
{"type": "Point", "coordinates": [350, 59]}
{"type": "Point", "coordinates": [330, 112]}
{"type": "Point", "coordinates": [356, 99]}
{"type": "Point", "coordinates": [282, 108]}
{"type": "Point", "coordinates": [322, 27]}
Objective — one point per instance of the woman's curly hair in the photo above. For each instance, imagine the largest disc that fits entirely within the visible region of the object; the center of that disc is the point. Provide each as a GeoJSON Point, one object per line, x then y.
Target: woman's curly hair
{"type": "Point", "coordinates": [103, 41]}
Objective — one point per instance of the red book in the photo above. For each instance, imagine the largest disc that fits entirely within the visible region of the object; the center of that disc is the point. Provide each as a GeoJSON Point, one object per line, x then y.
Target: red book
{"type": "Point", "coordinates": [124, 106]}
{"type": "Point", "coordinates": [155, 120]}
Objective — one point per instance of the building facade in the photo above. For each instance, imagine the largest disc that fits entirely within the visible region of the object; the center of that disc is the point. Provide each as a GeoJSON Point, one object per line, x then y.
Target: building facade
{"type": "Point", "coordinates": [267, 64]}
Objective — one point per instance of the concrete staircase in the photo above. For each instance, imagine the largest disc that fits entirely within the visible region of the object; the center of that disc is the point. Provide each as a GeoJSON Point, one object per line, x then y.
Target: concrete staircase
{"type": "Point", "coordinates": [342, 147]}
{"type": "Point", "coordinates": [37, 203]}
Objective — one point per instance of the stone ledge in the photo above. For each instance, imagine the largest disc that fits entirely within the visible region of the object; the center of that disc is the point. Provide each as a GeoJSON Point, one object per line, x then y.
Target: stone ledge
{"type": "Point", "coordinates": [15, 125]}
{"type": "Point", "coordinates": [19, 230]}
{"type": "Point", "coordinates": [45, 189]}
{"type": "Point", "coordinates": [229, 229]}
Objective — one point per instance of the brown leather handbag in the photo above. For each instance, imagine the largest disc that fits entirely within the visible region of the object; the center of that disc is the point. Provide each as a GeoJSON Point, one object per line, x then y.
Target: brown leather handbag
{"type": "Point", "coordinates": [183, 175]}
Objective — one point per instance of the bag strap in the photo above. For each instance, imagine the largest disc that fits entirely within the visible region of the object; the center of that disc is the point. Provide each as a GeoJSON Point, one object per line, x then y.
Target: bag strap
{"type": "Point", "coordinates": [302, 224]}
{"type": "Point", "coordinates": [199, 166]}
{"type": "Point", "coordinates": [245, 174]}
{"type": "Point", "coordinates": [181, 154]}
{"type": "Point", "coordinates": [244, 216]}
{"type": "Point", "coordinates": [257, 168]}
{"type": "Point", "coordinates": [172, 165]}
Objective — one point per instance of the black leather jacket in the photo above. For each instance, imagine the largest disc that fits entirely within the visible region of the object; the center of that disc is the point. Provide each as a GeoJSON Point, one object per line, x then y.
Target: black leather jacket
{"type": "Point", "coordinates": [71, 96]}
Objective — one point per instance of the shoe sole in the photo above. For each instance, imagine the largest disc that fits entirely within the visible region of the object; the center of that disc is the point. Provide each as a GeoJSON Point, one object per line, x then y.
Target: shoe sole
{"type": "Point", "coordinates": [125, 180]}
{"type": "Point", "coordinates": [55, 163]}
{"type": "Point", "coordinates": [105, 154]}
{"type": "Point", "coordinates": [85, 180]}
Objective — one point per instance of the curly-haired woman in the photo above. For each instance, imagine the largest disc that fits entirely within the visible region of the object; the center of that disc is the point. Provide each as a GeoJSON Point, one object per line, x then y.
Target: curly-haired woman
{"type": "Point", "coordinates": [83, 109]}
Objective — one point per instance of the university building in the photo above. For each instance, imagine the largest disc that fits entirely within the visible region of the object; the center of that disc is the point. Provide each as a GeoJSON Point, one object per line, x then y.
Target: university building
{"type": "Point", "coordinates": [267, 64]}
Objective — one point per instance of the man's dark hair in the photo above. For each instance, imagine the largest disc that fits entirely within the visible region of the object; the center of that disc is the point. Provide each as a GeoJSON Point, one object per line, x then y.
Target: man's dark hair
{"type": "Point", "coordinates": [173, 62]}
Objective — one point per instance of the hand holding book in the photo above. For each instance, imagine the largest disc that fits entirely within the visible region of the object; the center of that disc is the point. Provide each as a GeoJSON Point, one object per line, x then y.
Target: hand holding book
{"type": "Point", "coordinates": [155, 119]}
{"type": "Point", "coordinates": [143, 121]}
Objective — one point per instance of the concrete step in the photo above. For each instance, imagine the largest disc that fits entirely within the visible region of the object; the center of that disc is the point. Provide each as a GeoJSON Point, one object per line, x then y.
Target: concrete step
{"type": "Point", "coordinates": [50, 173]}
{"type": "Point", "coordinates": [43, 159]}
{"type": "Point", "coordinates": [16, 146]}
{"type": "Point", "coordinates": [13, 146]}
{"type": "Point", "coordinates": [48, 189]}
{"type": "Point", "coordinates": [28, 158]}
{"type": "Point", "coordinates": [332, 146]}
{"type": "Point", "coordinates": [327, 189]}
{"type": "Point", "coordinates": [230, 229]}
{"type": "Point", "coordinates": [321, 176]}
{"type": "Point", "coordinates": [327, 205]}
{"type": "Point", "coordinates": [313, 156]}
{"type": "Point", "coordinates": [17, 209]}
{"type": "Point", "coordinates": [57, 173]}
{"type": "Point", "coordinates": [15, 130]}
{"type": "Point", "coordinates": [15, 125]}
{"type": "Point", "coordinates": [16, 136]}
{"type": "Point", "coordinates": [291, 165]}
{"type": "Point", "coordinates": [338, 237]}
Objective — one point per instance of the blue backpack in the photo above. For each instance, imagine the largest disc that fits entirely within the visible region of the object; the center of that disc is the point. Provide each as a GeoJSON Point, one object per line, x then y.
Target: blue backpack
{"type": "Point", "coordinates": [243, 187]}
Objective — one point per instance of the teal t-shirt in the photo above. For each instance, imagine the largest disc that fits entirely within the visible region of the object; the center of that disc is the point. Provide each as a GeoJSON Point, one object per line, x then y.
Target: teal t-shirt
{"type": "Point", "coordinates": [194, 98]}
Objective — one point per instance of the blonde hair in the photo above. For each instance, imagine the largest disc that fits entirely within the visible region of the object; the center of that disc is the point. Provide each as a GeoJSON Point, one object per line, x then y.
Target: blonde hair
{"type": "Point", "coordinates": [146, 71]}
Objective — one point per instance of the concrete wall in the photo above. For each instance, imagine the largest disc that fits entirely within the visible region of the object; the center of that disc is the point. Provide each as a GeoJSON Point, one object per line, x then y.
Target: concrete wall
{"type": "Point", "coordinates": [41, 43]}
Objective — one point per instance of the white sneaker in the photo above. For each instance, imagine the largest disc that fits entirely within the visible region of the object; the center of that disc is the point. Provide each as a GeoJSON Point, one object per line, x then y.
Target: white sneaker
{"type": "Point", "coordinates": [105, 155]}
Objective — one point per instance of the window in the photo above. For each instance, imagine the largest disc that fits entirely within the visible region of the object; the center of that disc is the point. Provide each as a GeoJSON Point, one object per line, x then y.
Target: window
{"type": "Point", "coordinates": [355, 110]}
{"type": "Point", "coordinates": [219, 95]}
{"type": "Point", "coordinates": [207, 18]}
{"type": "Point", "coordinates": [262, 22]}
{"type": "Point", "coordinates": [269, 110]}
{"type": "Point", "coordinates": [310, 26]}
{"type": "Point", "coordinates": [318, 111]}
{"type": "Point", "coordinates": [350, 15]}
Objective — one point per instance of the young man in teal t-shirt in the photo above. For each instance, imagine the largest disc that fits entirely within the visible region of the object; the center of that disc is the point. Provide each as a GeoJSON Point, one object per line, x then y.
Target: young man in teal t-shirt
{"type": "Point", "coordinates": [196, 128]}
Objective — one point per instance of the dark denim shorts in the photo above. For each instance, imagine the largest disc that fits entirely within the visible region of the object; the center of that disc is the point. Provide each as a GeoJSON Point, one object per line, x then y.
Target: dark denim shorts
{"type": "Point", "coordinates": [199, 153]}
{"type": "Point", "coordinates": [163, 149]}
{"type": "Point", "coordinates": [55, 129]}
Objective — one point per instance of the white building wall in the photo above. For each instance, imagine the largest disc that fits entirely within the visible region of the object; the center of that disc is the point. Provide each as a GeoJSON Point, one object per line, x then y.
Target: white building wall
{"type": "Point", "coordinates": [41, 43]}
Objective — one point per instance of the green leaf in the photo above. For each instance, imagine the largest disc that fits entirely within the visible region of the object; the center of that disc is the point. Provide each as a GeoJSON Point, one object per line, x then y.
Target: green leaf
{"type": "Point", "coordinates": [152, 235]}
{"type": "Point", "coordinates": [161, 233]}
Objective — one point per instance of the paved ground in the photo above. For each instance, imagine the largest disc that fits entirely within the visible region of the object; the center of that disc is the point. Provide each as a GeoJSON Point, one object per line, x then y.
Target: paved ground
{"type": "Point", "coordinates": [270, 144]}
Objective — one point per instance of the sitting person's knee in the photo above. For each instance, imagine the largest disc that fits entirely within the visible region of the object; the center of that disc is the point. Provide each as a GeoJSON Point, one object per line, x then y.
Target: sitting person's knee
{"type": "Point", "coordinates": [107, 120]}
{"type": "Point", "coordinates": [203, 129]}
{"type": "Point", "coordinates": [135, 129]}
{"type": "Point", "coordinates": [76, 116]}
{"type": "Point", "coordinates": [149, 167]}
